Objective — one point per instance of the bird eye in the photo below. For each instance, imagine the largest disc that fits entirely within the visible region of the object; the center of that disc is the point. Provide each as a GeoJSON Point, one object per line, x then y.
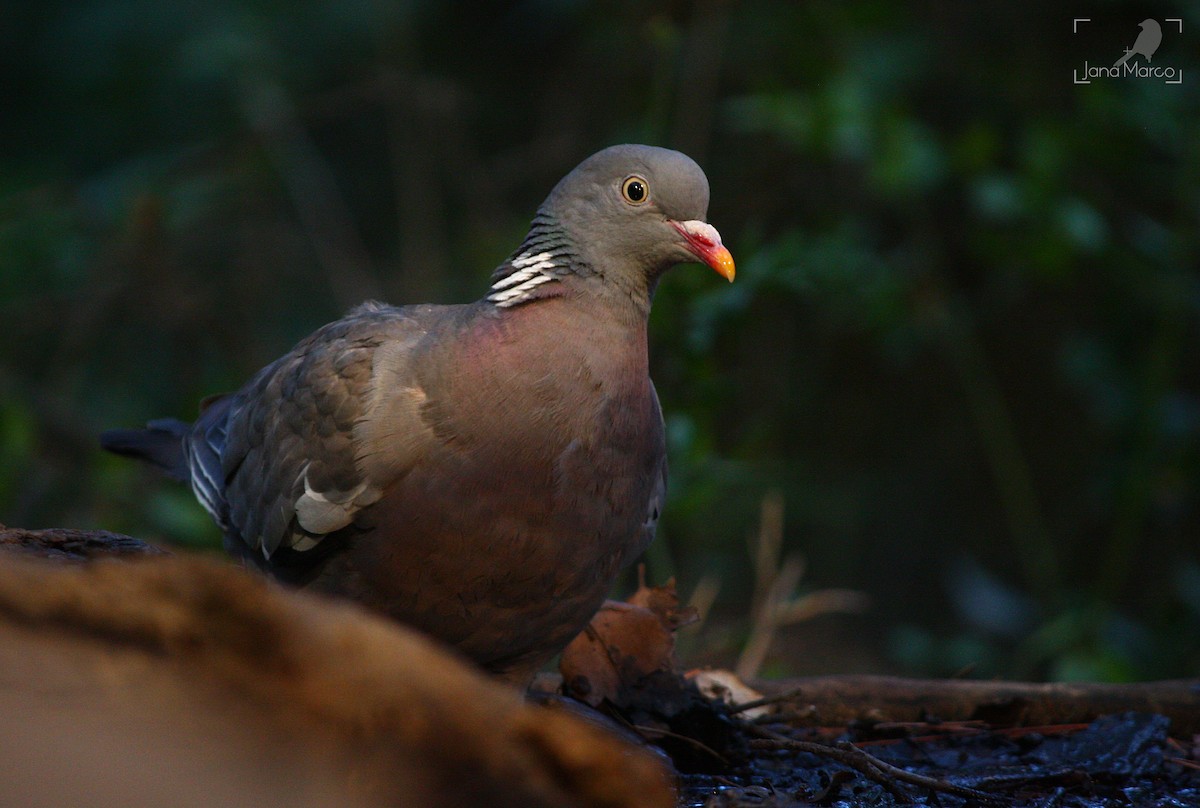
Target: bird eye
{"type": "Point", "coordinates": [635, 190]}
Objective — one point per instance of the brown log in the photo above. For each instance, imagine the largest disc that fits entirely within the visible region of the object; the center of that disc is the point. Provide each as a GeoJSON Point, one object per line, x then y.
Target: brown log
{"type": "Point", "coordinates": [65, 544]}
{"type": "Point", "coordinates": [174, 681]}
{"type": "Point", "coordinates": [840, 700]}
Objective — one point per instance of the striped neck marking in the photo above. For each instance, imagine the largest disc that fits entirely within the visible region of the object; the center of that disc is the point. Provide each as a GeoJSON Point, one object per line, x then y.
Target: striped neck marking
{"type": "Point", "coordinates": [529, 272]}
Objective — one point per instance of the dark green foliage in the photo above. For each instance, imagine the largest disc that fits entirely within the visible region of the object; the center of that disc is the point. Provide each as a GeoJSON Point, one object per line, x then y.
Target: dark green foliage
{"type": "Point", "coordinates": [962, 343]}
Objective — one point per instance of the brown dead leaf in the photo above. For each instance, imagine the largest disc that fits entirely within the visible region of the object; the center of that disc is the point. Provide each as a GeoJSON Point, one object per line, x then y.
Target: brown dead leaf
{"type": "Point", "coordinates": [625, 645]}
{"type": "Point", "coordinates": [664, 602]}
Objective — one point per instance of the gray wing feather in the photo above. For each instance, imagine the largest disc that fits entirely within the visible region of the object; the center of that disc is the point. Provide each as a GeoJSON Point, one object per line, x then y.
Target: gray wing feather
{"type": "Point", "coordinates": [658, 495]}
{"type": "Point", "coordinates": [202, 451]}
{"type": "Point", "coordinates": [280, 462]}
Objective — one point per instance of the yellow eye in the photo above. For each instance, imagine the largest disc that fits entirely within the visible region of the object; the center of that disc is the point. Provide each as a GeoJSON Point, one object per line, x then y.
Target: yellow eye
{"type": "Point", "coordinates": [635, 190]}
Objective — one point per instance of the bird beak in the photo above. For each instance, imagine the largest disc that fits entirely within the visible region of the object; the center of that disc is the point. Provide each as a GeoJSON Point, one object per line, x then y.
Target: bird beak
{"type": "Point", "coordinates": [704, 242]}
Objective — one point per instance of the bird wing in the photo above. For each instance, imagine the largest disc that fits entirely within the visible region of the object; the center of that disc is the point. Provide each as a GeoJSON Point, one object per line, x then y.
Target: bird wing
{"type": "Point", "coordinates": [658, 494]}
{"type": "Point", "coordinates": [317, 435]}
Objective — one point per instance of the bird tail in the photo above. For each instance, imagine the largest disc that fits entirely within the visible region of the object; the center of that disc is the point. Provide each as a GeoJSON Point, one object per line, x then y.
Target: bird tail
{"type": "Point", "coordinates": [1124, 58]}
{"type": "Point", "coordinates": [161, 444]}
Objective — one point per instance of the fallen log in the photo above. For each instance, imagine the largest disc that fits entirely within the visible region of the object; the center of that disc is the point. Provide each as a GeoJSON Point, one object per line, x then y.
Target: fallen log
{"type": "Point", "coordinates": [176, 681]}
{"type": "Point", "coordinates": [841, 700]}
{"type": "Point", "coordinates": [66, 544]}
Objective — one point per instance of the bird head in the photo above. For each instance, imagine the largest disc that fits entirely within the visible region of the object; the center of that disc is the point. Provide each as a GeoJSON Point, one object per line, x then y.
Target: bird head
{"type": "Point", "coordinates": [635, 211]}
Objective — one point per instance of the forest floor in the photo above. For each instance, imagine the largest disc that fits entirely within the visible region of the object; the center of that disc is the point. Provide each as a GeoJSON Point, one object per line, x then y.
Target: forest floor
{"type": "Point", "coordinates": [1119, 760]}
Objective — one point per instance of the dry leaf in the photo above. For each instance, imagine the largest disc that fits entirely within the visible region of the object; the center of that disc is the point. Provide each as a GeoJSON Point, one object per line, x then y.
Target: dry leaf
{"type": "Point", "coordinates": [726, 686]}
{"type": "Point", "coordinates": [625, 646]}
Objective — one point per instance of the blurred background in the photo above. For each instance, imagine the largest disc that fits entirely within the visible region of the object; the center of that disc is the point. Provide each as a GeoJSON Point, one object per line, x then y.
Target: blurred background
{"type": "Point", "coordinates": [952, 397]}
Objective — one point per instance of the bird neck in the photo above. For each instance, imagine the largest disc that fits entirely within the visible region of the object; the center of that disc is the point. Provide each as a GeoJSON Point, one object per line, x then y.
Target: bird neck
{"type": "Point", "coordinates": [535, 270]}
{"type": "Point", "coordinates": [549, 264]}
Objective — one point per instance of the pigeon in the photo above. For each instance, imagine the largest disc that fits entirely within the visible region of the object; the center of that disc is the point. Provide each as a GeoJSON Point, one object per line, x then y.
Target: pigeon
{"type": "Point", "coordinates": [481, 472]}
{"type": "Point", "coordinates": [1147, 42]}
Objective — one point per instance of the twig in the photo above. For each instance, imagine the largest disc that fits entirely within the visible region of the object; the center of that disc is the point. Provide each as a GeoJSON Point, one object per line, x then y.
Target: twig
{"type": "Point", "coordinates": [766, 546]}
{"type": "Point", "coordinates": [934, 783]}
{"type": "Point", "coordinates": [772, 585]}
{"type": "Point", "coordinates": [871, 767]}
{"type": "Point", "coordinates": [666, 733]}
{"type": "Point", "coordinates": [870, 772]}
{"type": "Point", "coordinates": [703, 597]}
{"type": "Point", "coordinates": [765, 700]}
{"type": "Point", "coordinates": [823, 601]}
{"type": "Point", "coordinates": [775, 603]}
{"type": "Point", "coordinates": [766, 618]}
{"type": "Point", "coordinates": [1052, 798]}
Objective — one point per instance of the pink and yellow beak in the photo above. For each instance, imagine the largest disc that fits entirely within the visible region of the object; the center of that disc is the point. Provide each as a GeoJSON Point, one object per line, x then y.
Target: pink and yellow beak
{"type": "Point", "coordinates": [704, 242]}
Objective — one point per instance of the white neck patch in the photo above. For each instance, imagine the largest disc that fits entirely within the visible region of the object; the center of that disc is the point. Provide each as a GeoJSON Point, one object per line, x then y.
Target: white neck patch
{"type": "Point", "coordinates": [530, 272]}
